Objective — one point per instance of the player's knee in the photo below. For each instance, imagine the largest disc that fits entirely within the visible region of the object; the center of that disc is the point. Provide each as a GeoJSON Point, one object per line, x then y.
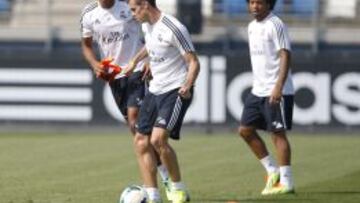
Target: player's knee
{"type": "Point", "coordinates": [158, 143]}
{"type": "Point", "coordinates": [280, 139]}
{"type": "Point", "coordinates": [245, 132]}
{"type": "Point", "coordinates": [141, 143]}
{"type": "Point", "coordinates": [280, 135]}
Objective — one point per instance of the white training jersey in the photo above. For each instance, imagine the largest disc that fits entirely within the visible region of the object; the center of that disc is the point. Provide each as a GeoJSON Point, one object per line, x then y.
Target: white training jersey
{"type": "Point", "coordinates": [117, 34]}
{"type": "Point", "coordinates": [266, 39]}
{"type": "Point", "coordinates": [166, 42]}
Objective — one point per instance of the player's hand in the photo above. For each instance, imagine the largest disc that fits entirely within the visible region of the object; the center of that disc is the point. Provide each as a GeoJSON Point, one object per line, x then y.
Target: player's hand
{"type": "Point", "coordinates": [184, 92]}
{"type": "Point", "coordinates": [146, 72]}
{"type": "Point", "coordinates": [98, 69]}
{"type": "Point", "coordinates": [275, 96]}
{"type": "Point", "coordinates": [129, 68]}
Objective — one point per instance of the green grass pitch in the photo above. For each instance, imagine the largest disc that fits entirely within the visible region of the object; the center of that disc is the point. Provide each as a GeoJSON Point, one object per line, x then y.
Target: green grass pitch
{"type": "Point", "coordinates": [94, 168]}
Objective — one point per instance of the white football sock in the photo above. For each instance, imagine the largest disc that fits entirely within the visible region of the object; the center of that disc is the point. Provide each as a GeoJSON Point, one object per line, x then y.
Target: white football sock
{"type": "Point", "coordinates": [269, 164]}
{"type": "Point", "coordinates": [286, 176]}
{"type": "Point", "coordinates": [164, 175]}
{"type": "Point", "coordinates": [153, 193]}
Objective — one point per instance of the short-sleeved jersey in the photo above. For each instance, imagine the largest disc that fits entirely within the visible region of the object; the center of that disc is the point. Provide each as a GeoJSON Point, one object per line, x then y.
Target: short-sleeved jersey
{"type": "Point", "coordinates": [266, 39]}
{"type": "Point", "coordinates": [166, 42]}
{"type": "Point", "coordinates": [117, 34]}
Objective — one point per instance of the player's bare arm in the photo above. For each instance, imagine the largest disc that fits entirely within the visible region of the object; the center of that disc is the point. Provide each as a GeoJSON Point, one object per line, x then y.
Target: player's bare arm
{"type": "Point", "coordinates": [141, 55]}
{"type": "Point", "coordinates": [90, 56]}
{"type": "Point", "coordinates": [285, 60]}
{"type": "Point", "coordinates": [194, 69]}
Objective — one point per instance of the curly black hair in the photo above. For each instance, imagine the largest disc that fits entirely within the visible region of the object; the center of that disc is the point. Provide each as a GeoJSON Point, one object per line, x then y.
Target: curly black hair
{"type": "Point", "coordinates": [151, 2]}
{"type": "Point", "coordinates": [270, 2]}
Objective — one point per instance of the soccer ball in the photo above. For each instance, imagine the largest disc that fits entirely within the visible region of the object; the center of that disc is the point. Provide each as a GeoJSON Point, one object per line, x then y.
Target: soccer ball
{"type": "Point", "coordinates": [134, 194]}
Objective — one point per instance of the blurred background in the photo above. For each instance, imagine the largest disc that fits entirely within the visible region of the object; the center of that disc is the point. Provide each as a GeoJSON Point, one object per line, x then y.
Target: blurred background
{"type": "Point", "coordinates": [44, 80]}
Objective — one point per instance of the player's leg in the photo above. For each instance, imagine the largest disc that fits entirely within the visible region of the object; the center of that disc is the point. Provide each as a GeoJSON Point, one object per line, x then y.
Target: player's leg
{"type": "Point", "coordinates": [132, 113]}
{"type": "Point", "coordinates": [145, 153]}
{"type": "Point", "coordinates": [258, 147]}
{"type": "Point", "coordinates": [283, 151]}
{"type": "Point", "coordinates": [177, 192]}
{"type": "Point", "coordinates": [146, 157]}
{"type": "Point", "coordinates": [254, 141]}
{"type": "Point", "coordinates": [135, 93]}
{"type": "Point", "coordinates": [163, 172]}
{"type": "Point", "coordinates": [280, 117]}
{"type": "Point", "coordinates": [171, 112]}
{"type": "Point", "coordinates": [159, 139]}
{"type": "Point", "coordinates": [253, 118]}
{"type": "Point", "coordinates": [147, 164]}
{"type": "Point", "coordinates": [282, 147]}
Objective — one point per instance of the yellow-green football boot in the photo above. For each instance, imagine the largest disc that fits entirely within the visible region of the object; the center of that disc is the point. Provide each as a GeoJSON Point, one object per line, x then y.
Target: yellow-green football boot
{"type": "Point", "coordinates": [271, 181]}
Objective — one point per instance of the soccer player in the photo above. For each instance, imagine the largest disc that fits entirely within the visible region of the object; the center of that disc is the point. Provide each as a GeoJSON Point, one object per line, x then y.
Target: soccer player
{"type": "Point", "coordinates": [174, 66]}
{"type": "Point", "coordinates": [269, 106]}
{"type": "Point", "coordinates": [119, 36]}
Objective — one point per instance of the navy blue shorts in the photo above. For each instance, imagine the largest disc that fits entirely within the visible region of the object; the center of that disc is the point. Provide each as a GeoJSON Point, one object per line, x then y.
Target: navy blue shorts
{"type": "Point", "coordinates": [128, 92]}
{"type": "Point", "coordinates": [165, 111]}
{"type": "Point", "coordinates": [260, 114]}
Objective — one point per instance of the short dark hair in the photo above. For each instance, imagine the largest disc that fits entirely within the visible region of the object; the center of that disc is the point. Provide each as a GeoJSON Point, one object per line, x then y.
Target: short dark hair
{"type": "Point", "coordinates": [270, 2]}
{"type": "Point", "coordinates": [152, 2]}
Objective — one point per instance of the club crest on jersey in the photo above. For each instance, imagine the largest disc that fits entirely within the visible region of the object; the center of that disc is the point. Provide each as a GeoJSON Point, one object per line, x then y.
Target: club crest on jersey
{"type": "Point", "coordinates": [161, 39]}
{"type": "Point", "coordinates": [124, 14]}
{"type": "Point", "coordinates": [97, 22]}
